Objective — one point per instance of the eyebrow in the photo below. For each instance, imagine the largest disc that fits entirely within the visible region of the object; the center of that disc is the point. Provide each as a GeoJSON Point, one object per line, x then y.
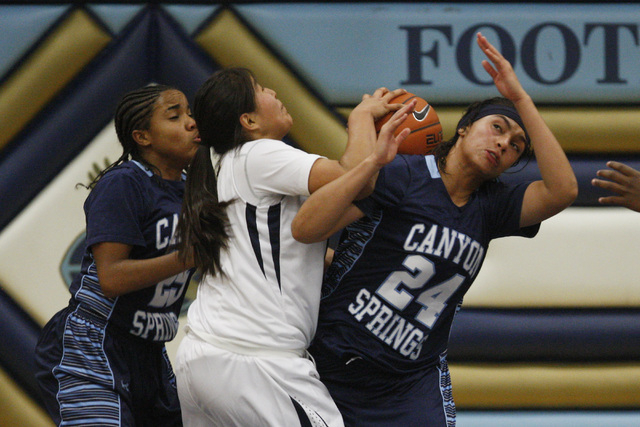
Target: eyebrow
{"type": "Point", "coordinates": [508, 124]}
{"type": "Point", "coordinates": [173, 107]}
{"type": "Point", "coordinates": [505, 120]}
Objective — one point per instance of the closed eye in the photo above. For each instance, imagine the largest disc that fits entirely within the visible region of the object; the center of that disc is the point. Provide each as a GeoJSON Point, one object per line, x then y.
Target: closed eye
{"type": "Point", "coordinates": [174, 109]}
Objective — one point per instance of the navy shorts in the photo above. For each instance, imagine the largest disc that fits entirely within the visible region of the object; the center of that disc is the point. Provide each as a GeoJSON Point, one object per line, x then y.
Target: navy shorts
{"type": "Point", "coordinates": [90, 375]}
{"type": "Point", "coordinates": [369, 396]}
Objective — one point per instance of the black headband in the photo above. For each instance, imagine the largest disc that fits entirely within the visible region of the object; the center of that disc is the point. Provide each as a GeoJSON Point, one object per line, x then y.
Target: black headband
{"type": "Point", "coordinates": [491, 109]}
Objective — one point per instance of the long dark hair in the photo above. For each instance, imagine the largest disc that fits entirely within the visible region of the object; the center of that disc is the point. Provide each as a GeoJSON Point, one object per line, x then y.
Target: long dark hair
{"type": "Point", "coordinates": [134, 112]}
{"type": "Point", "coordinates": [471, 115]}
{"type": "Point", "coordinates": [218, 105]}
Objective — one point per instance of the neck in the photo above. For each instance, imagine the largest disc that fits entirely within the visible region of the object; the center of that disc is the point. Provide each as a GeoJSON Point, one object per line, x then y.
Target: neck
{"type": "Point", "coordinates": [460, 181]}
{"type": "Point", "coordinates": [165, 170]}
{"type": "Point", "coordinates": [172, 175]}
{"type": "Point", "coordinates": [458, 191]}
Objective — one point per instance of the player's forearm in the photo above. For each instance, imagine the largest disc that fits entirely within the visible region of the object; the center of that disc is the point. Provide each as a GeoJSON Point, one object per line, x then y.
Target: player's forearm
{"type": "Point", "coordinates": [556, 172]}
{"type": "Point", "coordinates": [130, 275]}
{"type": "Point", "coordinates": [361, 137]}
{"type": "Point", "coordinates": [324, 212]}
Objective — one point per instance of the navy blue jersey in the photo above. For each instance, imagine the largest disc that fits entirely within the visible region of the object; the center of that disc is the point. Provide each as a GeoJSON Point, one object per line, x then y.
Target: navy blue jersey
{"type": "Point", "coordinates": [400, 273]}
{"type": "Point", "coordinates": [132, 206]}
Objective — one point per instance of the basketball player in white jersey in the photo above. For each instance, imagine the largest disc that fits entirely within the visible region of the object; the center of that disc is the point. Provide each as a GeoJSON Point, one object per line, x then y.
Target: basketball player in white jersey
{"type": "Point", "coordinates": [243, 361]}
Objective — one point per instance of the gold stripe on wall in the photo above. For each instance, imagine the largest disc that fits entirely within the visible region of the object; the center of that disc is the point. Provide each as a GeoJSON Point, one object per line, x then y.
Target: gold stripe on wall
{"type": "Point", "coordinates": [315, 128]}
{"type": "Point", "coordinates": [579, 129]}
{"type": "Point", "coordinates": [540, 386]}
{"type": "Point", "coordinates": [50, 68]}
{"type": "Point", "coordinates": [595, 130]}
{"type": "Point", "coordinates": [17, 408]}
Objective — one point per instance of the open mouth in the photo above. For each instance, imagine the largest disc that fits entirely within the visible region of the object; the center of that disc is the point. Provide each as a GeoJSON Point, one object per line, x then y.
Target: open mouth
{"type": "Point", "coordinates": [493, 157]}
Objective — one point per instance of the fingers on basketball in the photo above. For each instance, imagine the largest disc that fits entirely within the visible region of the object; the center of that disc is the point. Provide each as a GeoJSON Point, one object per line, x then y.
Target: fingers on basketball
{"type": "Point", "coordinates": [423, 123]}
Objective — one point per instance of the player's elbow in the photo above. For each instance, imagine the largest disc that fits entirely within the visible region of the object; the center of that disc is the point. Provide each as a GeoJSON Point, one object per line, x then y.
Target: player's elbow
{"type": "Point", "coordinates": [302, 233]}
{"type": "Point", "coordinates": [561, 198]}
{"type": "Point", "coordinates": [367, 189]}
{"type": "Point", "coordinates": [109, 285]}
{"type": "Point", "coordinates": [573, 194]}
{"type": "Point", "coordinates": [568, 193]}
{"type": "Point", "coordinates": [109, 290]}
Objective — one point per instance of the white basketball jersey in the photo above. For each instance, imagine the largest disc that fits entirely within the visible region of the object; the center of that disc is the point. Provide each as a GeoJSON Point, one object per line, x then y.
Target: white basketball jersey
{"type": "Point", "coordinates": [268, 297]}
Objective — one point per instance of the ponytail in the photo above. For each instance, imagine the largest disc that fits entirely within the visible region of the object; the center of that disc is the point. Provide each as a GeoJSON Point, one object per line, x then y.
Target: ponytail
{"type": "Point", "coordinates": [202, 229]}
{"type": "Point", "coordinates": [217, 107]}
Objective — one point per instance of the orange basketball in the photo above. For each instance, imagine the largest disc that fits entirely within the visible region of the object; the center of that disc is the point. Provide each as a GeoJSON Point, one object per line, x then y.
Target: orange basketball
{"type": "Point", "coordinates": [426, 130]}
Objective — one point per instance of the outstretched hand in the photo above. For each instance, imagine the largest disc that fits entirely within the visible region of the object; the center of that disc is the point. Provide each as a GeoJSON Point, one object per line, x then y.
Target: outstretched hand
{"type": "Point", "coordinates": [501, 71]}
{"type": "Point", "coordinates": [378, 104]}
{"type": "Point", "coordinates": [622, 180]}
{"type": "Point", "coordinates": [387, 144]}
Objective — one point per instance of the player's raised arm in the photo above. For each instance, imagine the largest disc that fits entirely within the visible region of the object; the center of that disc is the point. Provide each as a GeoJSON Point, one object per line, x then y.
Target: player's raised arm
{"type": "Point", "coordinates": [558, 187]}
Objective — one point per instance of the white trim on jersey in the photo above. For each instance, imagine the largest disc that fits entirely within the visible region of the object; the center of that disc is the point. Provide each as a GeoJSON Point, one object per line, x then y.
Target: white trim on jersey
{"type": "Point", "coordinates": [432, 165]}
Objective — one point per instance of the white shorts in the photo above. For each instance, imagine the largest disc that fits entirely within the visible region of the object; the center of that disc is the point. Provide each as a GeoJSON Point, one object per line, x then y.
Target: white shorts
{"type": "Point", "coordinates": [218, 387]}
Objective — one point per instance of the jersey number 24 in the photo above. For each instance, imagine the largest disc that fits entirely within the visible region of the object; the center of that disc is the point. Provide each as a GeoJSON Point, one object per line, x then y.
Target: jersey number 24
{"type": "Point", "coordinates": [419, 271]}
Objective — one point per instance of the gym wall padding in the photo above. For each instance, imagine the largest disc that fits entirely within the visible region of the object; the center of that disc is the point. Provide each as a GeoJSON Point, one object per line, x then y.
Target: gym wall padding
{"type": "Point", "coordinates": [17, 408]}
{"type": "Point", "coordinates": [552, 322]}
{"type": "Point", "coordinates": [574, 262]}
{"type": "Point", "coordinates": [17, 361]}
{"type": "Point", "coordinates": [90, 100]}
{"type": "Point", "coordinates": [550, 386]}
{"type": "Point", "coordinates": [316, 127]}
{"type": "Point", "coordinates": [63, 53]}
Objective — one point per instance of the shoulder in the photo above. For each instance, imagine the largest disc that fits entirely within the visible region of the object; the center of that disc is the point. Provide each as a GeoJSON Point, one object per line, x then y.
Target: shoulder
{"type": "Point", "coordinates": [127, 170]}
{"type": "Point", "coordinates": [491, 187]}
{"type": "Point", "coordinates": [126, 178]}
{"type": "Point", "coordinates": [500, 189]}
{"type": "Point", "coordinates": [407, 168]}
{"type": "Point", "coordinates": [254, 153]}
{"type": "Point", "coordinates": [501, 204]}
{"type": "Point", "coordinates": [267, 147]}
{"type": "Point", "coordinates": [266, 156]}
{"type": "Point", "coordinates": [413, 163]}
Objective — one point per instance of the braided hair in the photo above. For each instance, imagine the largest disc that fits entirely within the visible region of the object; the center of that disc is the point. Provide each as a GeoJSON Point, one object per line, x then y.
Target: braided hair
{"type": "Point", "coordinates": [134, 112]}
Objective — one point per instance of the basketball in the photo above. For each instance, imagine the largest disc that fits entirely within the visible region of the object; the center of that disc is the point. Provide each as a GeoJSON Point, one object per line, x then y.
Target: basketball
{"type": "Point", "coordinates": [426, 130]}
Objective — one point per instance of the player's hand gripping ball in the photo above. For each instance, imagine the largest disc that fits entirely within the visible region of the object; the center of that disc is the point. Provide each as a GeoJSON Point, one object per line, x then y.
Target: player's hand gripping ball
{"type": "Point", "coordinates": [426, 130]}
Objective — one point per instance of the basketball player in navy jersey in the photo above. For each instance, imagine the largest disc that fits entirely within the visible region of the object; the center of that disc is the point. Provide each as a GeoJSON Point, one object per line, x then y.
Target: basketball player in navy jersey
{"type": "Point", "coordinates": [102, 360]}
{"type": "Point", "coordinates": [401, 269]}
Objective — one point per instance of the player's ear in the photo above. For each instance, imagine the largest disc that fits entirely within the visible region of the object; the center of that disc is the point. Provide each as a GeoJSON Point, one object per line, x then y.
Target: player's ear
{"type": "Point", "coordinates": [248, 121]}
{"type": "Point", "coordinates": [141, 137]}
